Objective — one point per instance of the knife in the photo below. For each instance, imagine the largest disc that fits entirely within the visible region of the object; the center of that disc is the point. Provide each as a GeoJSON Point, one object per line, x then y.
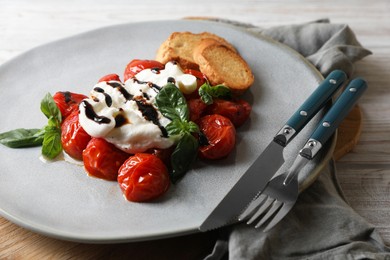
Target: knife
{"type": "Point", "coordinates": [285, 187]}
{"type": "Point", "coordinates": [271, 159]}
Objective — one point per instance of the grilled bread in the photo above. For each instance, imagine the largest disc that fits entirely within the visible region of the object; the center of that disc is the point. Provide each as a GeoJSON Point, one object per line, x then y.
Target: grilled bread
{"type": "Point", "coordinates": [221, 65]}
{"type": "Point", "coordinates": [212, 55]}
{"type": "Point", "coordinates": [179, 47]}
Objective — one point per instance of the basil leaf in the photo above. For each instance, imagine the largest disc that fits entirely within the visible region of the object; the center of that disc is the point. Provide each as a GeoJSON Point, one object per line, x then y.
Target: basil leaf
{"type": "Point", "coordinates": [177, 127]}
{"type": "Point", "coordinates": [174, 127]}
{"type": "Point", "coordinates": [208, 92]}
{"type": "Point", "coordinates": [183, 156]}
{"type": "Point", "coordinates": [51, 146]}
{"type": "Point", "coordinates": [172, 104]}
{"type": "Point", "coordinates": [21, 137]}
{"type": "Point", "coordinates": [204, 94]}
{"type": "Point", "coordinates": [50, 110]}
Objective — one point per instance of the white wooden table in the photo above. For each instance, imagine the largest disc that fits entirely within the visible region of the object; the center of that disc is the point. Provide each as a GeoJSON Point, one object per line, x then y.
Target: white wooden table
{"type": "Point", "coordinates": [364, 173]}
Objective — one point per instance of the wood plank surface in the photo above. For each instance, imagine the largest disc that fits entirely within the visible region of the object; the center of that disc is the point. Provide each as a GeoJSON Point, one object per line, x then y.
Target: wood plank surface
{"type": "Point", "coordinates": [364, 173]}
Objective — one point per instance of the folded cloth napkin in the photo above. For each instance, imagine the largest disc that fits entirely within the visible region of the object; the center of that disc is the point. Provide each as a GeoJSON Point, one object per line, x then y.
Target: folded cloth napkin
{"type": "Point", "coordinates": [321, 225]}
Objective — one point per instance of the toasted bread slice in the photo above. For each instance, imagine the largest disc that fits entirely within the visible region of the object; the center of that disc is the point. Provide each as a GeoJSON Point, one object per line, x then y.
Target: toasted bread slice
{"type": "Point", "coordinates": [179, 47]}
{"type": "Point", "coordinates": [221, 65]}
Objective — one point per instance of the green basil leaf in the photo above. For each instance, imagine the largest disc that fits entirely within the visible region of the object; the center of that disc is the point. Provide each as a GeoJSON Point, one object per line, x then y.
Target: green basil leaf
{"type": "Point", "coordinates": [21, 137]}
{"type": "Point", "coordinates": [50, 110]}
{"type": "Point", "coordinates": [51, 146]}
{"type": "Point", "coordinates": [172, 104]}
{"type": "Point", "coordinates": [192, 127]}
{"type": "Point", "coordinates": [204, 94]}
{"type": "Point", "coordinates": [174, 127]}
{"type": "Point", "coordinates": [208, 92]}
{"type": "Point", "coordinates": [177, 127]}
{"type": "Point", "coordinates": [183, 156]}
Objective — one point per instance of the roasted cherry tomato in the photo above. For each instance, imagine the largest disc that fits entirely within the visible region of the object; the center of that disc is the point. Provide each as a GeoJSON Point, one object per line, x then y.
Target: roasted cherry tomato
{"type": "Point", "coordinates": [237, 111]}
{"type": "Point", "coordinates": [143, 177]}
{"type": "Point", "coordinates": [196, 107]}
{"type": "Point", "coordinates": [163, 154]}
{"type": "Point", "coordinates": [102, 159]}
{"type": "Point", "coordinates": [74, 139]}
{"type": "Point", "coordinates": [220, 136]}
{"type": "Point", "coordinates": [110, 77]}
{"type": "Point", "coordinates": [136, 66]}
{"type": "Point", "coordinates": [67, 102]}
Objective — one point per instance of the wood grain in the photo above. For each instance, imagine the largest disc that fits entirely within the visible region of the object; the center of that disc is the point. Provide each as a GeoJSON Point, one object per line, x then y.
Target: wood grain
{"type": "Point", "coordinates": [348, 133]}
{"type": "Point", "coordinates": [364, 172]}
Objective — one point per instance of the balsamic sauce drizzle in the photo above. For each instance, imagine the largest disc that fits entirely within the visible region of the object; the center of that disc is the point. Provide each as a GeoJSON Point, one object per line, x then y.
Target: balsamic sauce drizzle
{"type": "Point", "coordinates": [155, 70]}
{"type": "Point", "coordinates": [90, 113]}
{"type": "Point", "coordinates": [151, 85]}
{"type": "Point", "coordinates": [171, 80]}
{"type": "Point", "coordinates": [67, 96]}
{"type": "Point", "coordinates": [120, 120]}
{"type": "Point", "coordinates": [148, 111]}
{"type": "Point", "coordinates": [121, 89]}
{"type": "Point", "coordinates": [107, 97]}
{"type": "Point", "coordinates": [150, 114]}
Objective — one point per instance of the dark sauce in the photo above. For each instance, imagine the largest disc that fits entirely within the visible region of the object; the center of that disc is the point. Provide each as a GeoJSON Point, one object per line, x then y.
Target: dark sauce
{"type": "Point", "coordinates": [203, 141]}
{"type": "Point", "coordinates": [107, 97]}
{"type": "Point", "coordinates": [120, 120]}
{"type": "Point", "coordinates": [171, 80]}
{"type": "Point", "coordinates": [67, 96]}
{"type": "Point", "coordinates": [150, 84]}
{"type": "Point", "coordinates": [150, 114]}
{"type": "Point", "coordinates": [121, 89]}
{"type": "Point", "coordinates": [90, 114]}
{"type": "Point", "coordinates": [146, 96]}
{"type": "Point", "coordinates": [155, 70]}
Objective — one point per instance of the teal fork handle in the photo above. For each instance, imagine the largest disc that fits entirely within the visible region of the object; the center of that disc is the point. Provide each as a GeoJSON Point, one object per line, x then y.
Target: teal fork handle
{"type": "Point", "coordinates": [339, 110]}
{"type": "Point", "coordinates": [328, 125]}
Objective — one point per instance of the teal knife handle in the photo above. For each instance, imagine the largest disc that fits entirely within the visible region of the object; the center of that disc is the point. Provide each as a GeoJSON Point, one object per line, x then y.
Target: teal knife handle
{"type": "Point", "coordinates": [339, 110]}
{"type": "Point", "coordinates": [316, 100]}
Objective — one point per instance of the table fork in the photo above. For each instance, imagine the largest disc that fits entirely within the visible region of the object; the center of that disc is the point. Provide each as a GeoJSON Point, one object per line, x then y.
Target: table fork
{"type": "Point", "coordinates": [281, 193]}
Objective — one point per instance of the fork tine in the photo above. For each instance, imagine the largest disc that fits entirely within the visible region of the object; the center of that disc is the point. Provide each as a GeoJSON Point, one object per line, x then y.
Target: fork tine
{"type": "Point", "coordinates": [252, 206]}
{"type": "Point", "coordinates": [276, 206]}
{"type": "Point", "coordinates": [261, 210]}
{"type": "Point", "coordinates": [281, 213]}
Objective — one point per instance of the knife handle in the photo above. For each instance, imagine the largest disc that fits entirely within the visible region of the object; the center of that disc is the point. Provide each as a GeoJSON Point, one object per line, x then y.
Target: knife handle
{"type": "Point", "coordinates": [334, 117]}
{"type": "Point", "coordinates": [311, 106]}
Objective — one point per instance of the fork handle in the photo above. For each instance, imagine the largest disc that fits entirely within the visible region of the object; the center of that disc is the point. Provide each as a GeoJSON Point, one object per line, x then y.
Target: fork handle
{"type": "Point", "coordinates": [334, 117]}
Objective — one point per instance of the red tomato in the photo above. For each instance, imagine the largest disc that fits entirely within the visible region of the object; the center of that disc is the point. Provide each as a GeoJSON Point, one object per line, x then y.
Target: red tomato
{"type": "Point", "coordinates": [74, 139]}
{"type": "Point", "coordinates": [220, 134]}
{"type": "Point", "coordinates": [136, 66]}
{"type": "Point", "coordinates": [110, 77]}
{"type": "Point", "coordinates": [196, 107]}
{"type": "Point", "coordinates": [102, 159]}
{"type": "Point", "coordinates": [67, 102]}
{"type": "Point", "coordinates": [237, 111]}
{"type": "Point", "coordinates": [143, 177]}
{"type": "Point", "coordinates": [163, 154]}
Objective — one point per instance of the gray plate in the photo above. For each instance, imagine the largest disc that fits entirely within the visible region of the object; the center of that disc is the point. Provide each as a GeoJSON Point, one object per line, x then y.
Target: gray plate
{"type": "Point", "coordinates": [58, 199]}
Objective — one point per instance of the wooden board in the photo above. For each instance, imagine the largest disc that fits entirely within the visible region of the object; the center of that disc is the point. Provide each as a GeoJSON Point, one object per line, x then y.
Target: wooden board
{"type": "Point", "coordinates": [348, 133]}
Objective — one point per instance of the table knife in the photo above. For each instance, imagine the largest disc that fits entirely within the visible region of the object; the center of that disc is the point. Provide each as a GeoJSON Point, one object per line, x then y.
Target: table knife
{"type": "Point", "coordinates": [271, 159]}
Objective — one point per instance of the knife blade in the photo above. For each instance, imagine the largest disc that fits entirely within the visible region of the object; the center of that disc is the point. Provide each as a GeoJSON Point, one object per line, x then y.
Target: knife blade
{"type": "Point", "coordinates": [271, 159]}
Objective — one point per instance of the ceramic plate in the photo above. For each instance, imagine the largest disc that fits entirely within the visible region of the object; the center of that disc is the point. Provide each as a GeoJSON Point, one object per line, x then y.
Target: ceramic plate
{"type": "Point", "coordinates": [58, 199]}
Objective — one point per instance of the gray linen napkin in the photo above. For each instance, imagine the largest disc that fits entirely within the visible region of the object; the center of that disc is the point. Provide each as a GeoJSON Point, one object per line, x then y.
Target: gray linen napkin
{"type": "Point", "coordinates": [321, 225]}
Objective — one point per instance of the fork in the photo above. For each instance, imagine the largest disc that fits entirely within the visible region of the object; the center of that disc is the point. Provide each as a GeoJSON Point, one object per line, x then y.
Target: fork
{"type": "Point", "coordinates": [281, 192]}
